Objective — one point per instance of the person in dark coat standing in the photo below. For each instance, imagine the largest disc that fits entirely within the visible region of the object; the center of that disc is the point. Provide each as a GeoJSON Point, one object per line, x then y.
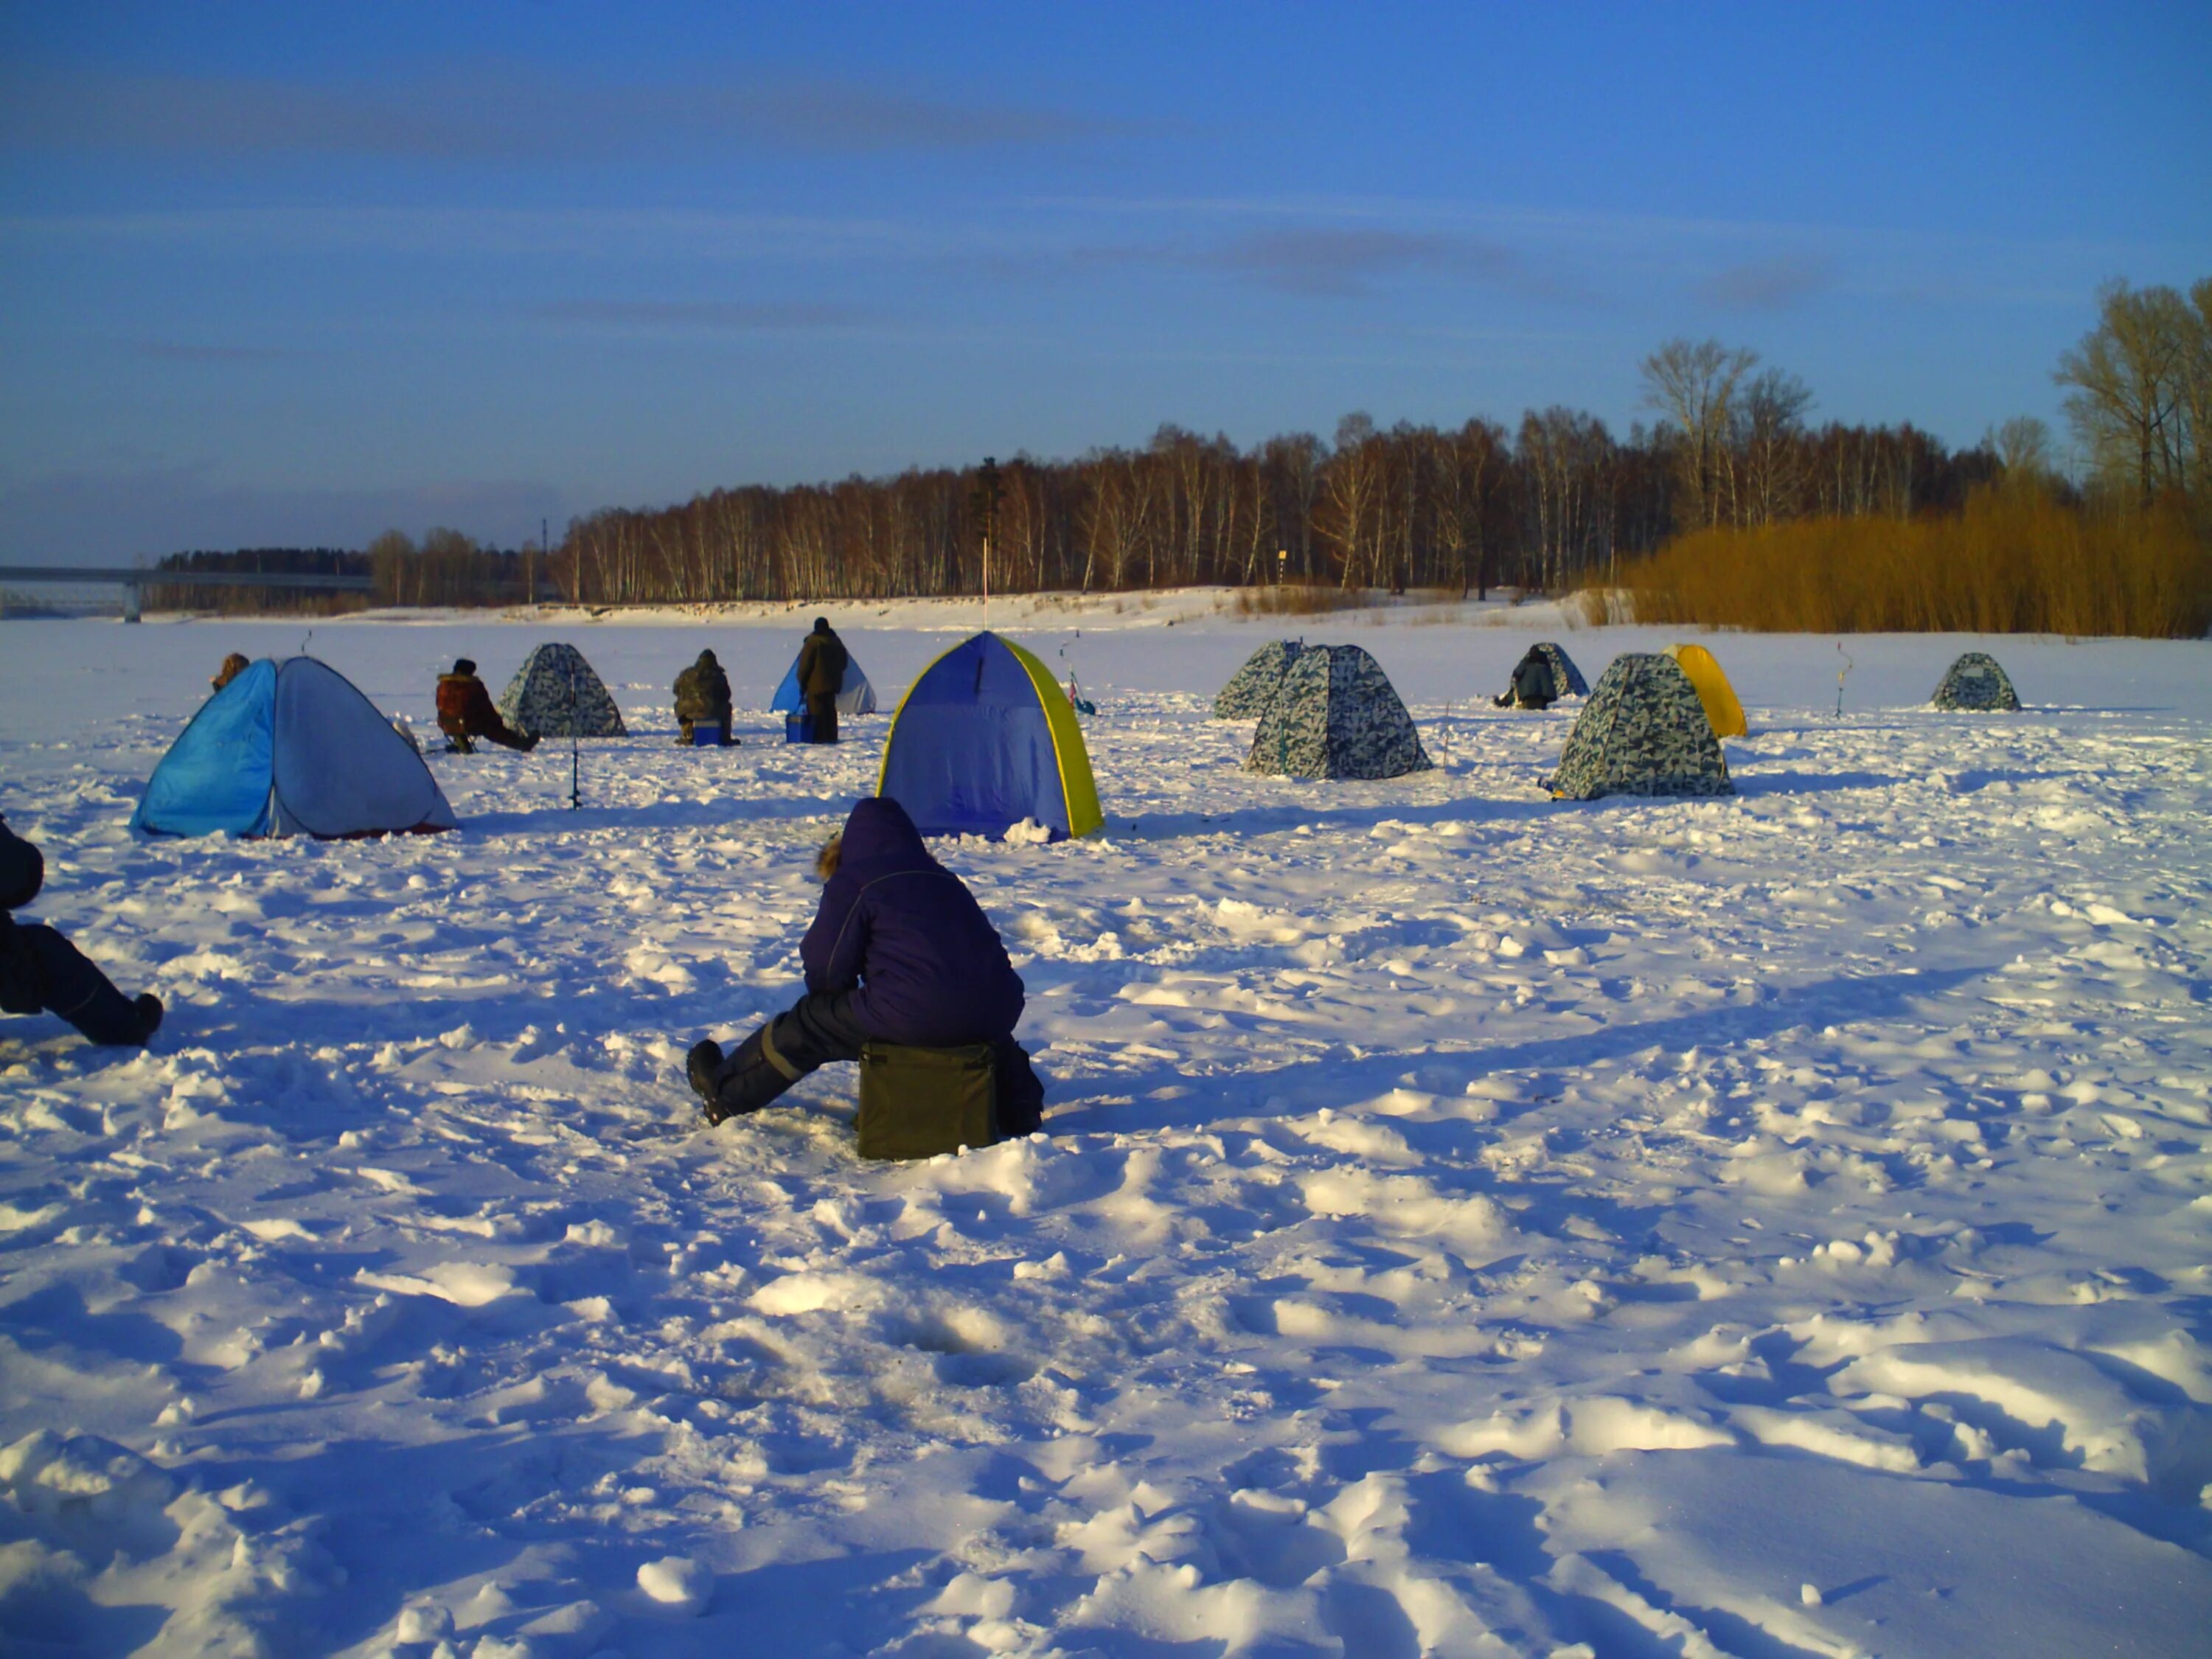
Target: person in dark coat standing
{"type": "Point", "coordinates": [465, 711]}
{"type": "Point", "coordinates": [1534, 685]}
{"type": "Point", "coordinates": [702, 697]}
{"type": "Point", "coordinates": [821, 674]}
{"type": "Point", "coordinates": [41, 970]}
{"type": "Point", "coordinates": [899, 953]}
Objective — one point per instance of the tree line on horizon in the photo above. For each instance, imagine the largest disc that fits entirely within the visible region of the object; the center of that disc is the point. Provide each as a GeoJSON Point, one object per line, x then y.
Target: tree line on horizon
{"type": "Point", "coordinates": [1557, 503]}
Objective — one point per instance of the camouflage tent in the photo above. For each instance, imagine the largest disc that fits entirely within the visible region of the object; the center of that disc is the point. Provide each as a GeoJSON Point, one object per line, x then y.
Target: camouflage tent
{"type": "Point", "coordinates": [553, 680]}
{"type": "Point", "coordinates": [1643, 732]}
{"type": "Point", "coordinates": [1567, 680]}
{"type": "Point", "coordinates": [1252, 687]}
{"type": "Point", "coordinates": [1336, 716]}
{"type": "Point", "coordinates": [1976, 682]}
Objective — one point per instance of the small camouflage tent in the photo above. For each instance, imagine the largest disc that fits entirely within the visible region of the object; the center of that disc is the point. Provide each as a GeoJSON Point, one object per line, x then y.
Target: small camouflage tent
{"type": "Point", "coordinates": [1336, 716]}
{"type": "Point", "coordinates": [1252, 687]}
{"type": "Point", "coordinates": [1976, 682]}
{"type": "Point", "coordinates": [1567, 680]}
{"type": "Point", "coordinates": [553, 681]}
{"type": "Point", "coordinates": [1643, 732]}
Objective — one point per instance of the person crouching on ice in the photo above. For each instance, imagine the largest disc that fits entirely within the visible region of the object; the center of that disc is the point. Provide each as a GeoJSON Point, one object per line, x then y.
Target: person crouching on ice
{"type": "Point", "coordinates": [899, 953]}
{"type": "Point", "coordinates": [465, 712]}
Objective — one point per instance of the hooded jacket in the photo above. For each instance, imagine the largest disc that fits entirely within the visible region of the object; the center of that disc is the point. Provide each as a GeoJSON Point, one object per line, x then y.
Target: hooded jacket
{"type": "Point", "coordinates": [23, 870]}
{"type": "Point", "coordinates": [1533, 683]}
{"type": "Point", "coordinates": [903, 929]}
{"type": "Point", "coordinates": [702, 690]}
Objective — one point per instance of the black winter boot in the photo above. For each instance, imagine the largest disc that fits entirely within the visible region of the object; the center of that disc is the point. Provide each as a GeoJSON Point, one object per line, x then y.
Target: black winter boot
{"type": "Point", "coordinates": [149, 1011]}
{"type": "Point", "coordinates": [700, 1067]}
{"type": "Point", "coordinates": [746, 1081]}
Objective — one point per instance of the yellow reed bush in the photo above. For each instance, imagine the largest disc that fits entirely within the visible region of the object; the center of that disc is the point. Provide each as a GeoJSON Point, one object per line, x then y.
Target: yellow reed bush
{"type": "Point", "coordinates": [1298, 599]}
{"type": "Point", "coordinates": [2014, 562]}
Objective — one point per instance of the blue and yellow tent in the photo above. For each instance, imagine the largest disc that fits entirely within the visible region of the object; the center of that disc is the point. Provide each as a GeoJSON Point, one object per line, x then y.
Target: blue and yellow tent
{"type": "Point", "coordinates": [985, 739]}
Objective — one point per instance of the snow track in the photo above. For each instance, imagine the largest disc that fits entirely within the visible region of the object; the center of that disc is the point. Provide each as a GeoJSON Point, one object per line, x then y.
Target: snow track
{"type": "Point", "coordinates": [1765, 1227]}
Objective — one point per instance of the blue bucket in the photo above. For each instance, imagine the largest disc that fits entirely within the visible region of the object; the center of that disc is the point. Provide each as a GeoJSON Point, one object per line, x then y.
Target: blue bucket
{"type": "Point", "coordinates": [798, 728]}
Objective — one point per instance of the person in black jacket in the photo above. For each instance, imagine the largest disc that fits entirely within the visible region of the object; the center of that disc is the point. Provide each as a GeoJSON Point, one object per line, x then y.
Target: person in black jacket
{"type": "Point", "coordinates": [821, 674]}
{"type": "Point", "coordinates": [899, 953]}
{"type": "Point", "coordinates": [39, 969]}
{"type": "Point", "coordinates": [1534, 684]}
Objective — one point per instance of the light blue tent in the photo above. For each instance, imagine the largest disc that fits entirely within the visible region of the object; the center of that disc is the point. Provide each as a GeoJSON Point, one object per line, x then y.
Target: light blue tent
{"type": "Point", "coordinates": [984, 739]}
{"type": "Point", "coordinates": [290, 748]}
{"type": "Point", "coordinates": [856, 696]}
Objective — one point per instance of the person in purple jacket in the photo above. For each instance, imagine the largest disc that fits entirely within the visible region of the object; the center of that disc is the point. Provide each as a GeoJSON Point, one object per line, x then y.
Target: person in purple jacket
{"type": "Point", "coordinates": [899, 953]}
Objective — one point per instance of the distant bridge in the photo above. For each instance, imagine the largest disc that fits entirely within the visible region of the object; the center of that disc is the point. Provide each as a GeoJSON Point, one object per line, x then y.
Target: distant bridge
{"type": "Point", "coordinates": [133, 581]}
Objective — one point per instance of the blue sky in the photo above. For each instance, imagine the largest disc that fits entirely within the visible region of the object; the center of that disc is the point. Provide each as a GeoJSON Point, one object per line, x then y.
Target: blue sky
{"type": "Point", "coordinates": [278, 274]}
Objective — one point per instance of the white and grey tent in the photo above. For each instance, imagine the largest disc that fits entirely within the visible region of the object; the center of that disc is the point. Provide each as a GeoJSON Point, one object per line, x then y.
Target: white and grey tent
{"type": "Point", "coordinates": [1252, 687]}
{"type": "Point", "coordinates": [1336, 715]}
{"type": "Point", "coordinates": [555, 694]}
{"type": "Point", "coordinates": [291, 748]}
{"type": "Point", "coordinates": [855, 696]}
{"type": "Point", "coordinates": [1643, 732]}
{"type": "Point", "coordinates": [1976, 682]}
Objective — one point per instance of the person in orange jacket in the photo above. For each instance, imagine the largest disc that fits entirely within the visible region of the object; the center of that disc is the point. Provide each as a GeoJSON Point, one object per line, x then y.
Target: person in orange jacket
{"type": "Point", "coordinates": [465, 711]}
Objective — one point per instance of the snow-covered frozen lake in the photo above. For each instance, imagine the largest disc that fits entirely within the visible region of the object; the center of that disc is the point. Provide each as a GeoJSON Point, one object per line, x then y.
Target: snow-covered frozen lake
{"type": "Point", "coordinates": [1468, 1225]}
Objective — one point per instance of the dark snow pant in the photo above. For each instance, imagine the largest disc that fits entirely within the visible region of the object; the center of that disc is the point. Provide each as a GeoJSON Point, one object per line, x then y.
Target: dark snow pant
{"type": "Point", "coordinates": [43, 971]}
{"type": "Point", "coordinates": [462, 739]}
{"type": "Point", "coordinates": [820, 1028]}
{"type": "Point", "coordinates": [822, 710]}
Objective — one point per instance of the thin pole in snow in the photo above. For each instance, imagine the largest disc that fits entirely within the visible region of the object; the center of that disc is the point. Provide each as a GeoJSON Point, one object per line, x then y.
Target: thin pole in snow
{"type": "Point", "coordinates": [575, 766]}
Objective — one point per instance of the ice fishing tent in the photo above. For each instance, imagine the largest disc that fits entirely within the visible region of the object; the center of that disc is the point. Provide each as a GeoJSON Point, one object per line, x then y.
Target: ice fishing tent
{"type": "Point", "coordinates": [1336, 716]}
{"type": "Point", "coordinates": [1714, 691]}
{"type": "Point", "coordinates": [983, 739]}
{"type": "Point", "coordinates": [1643, 732]}
{"type": "Point", "coordinates": [855, 697]}
{"type": "Point", "coordinates": [1567, 680]}
{"type": "Point", "coordinates": [1976, 682]}
{"type": "Point", "coordinates": [553, 681]}
{"type": "Point", "coordinates": [290, 748]}
{"type": "Point", "coordinates": [1252, 687]}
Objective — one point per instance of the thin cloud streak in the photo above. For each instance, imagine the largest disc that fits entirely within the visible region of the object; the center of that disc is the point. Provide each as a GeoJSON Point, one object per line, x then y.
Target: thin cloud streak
{"type": "Point", "coordinates": [611, 234]}
{"type": "Point", "coordinates": [178, 351]}
{"type": "Point", "coordinates": [1331, 261]}
{"type": "Point", "coordinates": [712, 315]}
{"type": "Point", "coordinates": [503, 115]}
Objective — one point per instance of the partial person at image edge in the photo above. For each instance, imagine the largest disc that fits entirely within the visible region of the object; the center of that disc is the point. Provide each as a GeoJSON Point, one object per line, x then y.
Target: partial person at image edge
{"type": "Point", "coordinates": [41, 971]}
